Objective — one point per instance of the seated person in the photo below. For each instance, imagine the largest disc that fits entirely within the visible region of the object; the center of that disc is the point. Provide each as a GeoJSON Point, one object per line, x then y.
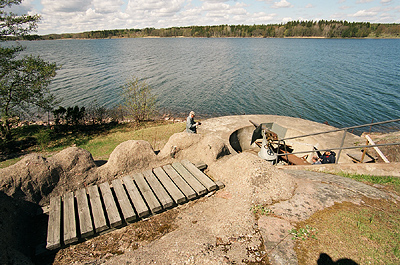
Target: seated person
{"type": "Point", "coordinates": [191, 126]}
{"type": "Point", "coordinates": [329, 157]}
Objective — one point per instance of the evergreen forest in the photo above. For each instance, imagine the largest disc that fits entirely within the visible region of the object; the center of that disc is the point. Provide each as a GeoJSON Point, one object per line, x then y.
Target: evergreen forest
{"type": "Point", "coordinates": [294, 29]}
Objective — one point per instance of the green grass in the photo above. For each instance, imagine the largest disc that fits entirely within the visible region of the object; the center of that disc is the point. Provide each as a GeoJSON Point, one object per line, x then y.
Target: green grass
{"type": "Point", "coordinates": [101, 147]}
{"type": "Point", "coordinates": [368, 233]}
{"type": "Point", "coordinates": [9, 162]}
{"type": "Point", "coordinates": [388, 181]}
{"type": "Point", "coordinates": [100, 140]}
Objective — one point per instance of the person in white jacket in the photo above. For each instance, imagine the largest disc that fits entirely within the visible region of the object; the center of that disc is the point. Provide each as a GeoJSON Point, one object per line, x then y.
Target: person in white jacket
{"type": "Point", "coordinates": [191, 126]}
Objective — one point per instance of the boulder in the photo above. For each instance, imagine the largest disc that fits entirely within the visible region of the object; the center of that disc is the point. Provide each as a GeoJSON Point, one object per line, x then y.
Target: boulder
{"type": "Point", "coordinates": [35, 177]}
{"type": "Point", "coordinates": [74, 160]}
{"type": "Point", "coordinates": [129, 156]}
{"type": "Point", "coordinates": [267, 183]}
{"type": "Point", "coordinates": [194, 147]}
{"type": "Point", "coordinates": [30, 179]}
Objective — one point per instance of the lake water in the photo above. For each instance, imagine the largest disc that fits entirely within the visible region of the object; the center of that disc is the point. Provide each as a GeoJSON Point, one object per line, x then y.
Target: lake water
{"type": "Point", "coordinates": [344, 82]}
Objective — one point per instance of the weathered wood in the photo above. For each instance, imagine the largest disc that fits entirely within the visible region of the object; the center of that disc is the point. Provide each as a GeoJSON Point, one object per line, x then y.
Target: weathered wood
{"type": "Point", "coordinates": [70, 227]}
{"type": "Point", "coordinates": [136, 198]}
{"type": "Point", "coordinates": [97, 208]}
{"type": "Point", "coordinates": [201, 166]}
{"type": "Point", "coordinates": [99, 219]}
{"type": "Point", "coordinates": [123, 200]}
{"type": "Point", "coordinates": [54, 224]}
{"type": "Point", "coordinates": [200, 176]}
{"type": "Point", "coordinates": [162, 195]}
{"type": "Point", "coordinates": [111, 208]}
{"type": "Point", "coordinates": [189, 178]}
{"type": "Point", "coordinates": [220, 184]}
{"type": "Point", "coordinates": [180, 182]}
{"type": "Point", "coordinates": [293, 159]}
{"type": "Point", "coordinates": [147, 193]}
{"type": "Point", "coordinates": [377, 149]}
{"type": "Point", "coordinates": [170, 186]}
{"type": "Point", "coordinates": [85, 221]}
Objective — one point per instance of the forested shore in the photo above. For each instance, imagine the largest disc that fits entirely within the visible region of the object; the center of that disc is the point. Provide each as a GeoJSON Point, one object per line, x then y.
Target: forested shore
{"type": "Point", "coordinates": [293, 29]}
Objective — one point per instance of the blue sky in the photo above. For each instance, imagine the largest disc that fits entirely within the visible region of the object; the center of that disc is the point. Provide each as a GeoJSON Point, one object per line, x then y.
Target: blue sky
{"type": "Point", "coordinates": [70, 16]}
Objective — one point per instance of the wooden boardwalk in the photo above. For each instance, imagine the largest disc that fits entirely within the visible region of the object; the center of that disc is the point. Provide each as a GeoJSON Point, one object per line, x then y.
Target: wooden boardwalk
{"type": "Point", "coordinates": [87, 212]}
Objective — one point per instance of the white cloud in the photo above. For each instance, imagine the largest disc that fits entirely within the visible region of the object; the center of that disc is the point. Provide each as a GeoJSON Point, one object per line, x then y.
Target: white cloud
{"type": "Point", "coordinates": [156, 7]}
{"type": "Point", "coordinates": [287, 19]}
{"type": "Point", "coordinates": [62, 16]}
{"type": "Point", "coordinates": [24, 8]}
{"type": "Point", "coordinates": [76, 15]}
{"type": "Point", "coordinates": [282, 4]}
{"type": "Point", "coordinates": [365, 13]}
{"type": "Point", "coordinates": [107, 6]}
{"type": "Point", "coordinates": [214, 1]}
{"type": "Point", "coordinates": [210, 6]}
{"type": "Point", "coordinates": [65, 6]}
{"type": "Point", "coordinates": [363, 1]}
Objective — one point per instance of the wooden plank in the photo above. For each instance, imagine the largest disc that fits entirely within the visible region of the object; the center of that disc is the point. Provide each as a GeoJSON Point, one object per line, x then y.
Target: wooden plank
{"type": "Point", "coordinates": [170, 186]}
{"type": "Point", "coordinates": [99, 219]}
{"type": "Point", "coordinates": [201, 165]}
{"type": "Point", "coordinates": [220, 184]}
{"type": "Point", "coordinates": [111, 208]}
{"type": "Point", "coordinates": [189, 178]}
{"type": "Point", "coordinates": [136, 198]}
{"type": "Point", "coordinates": [147, 193]}
{"type": "Point", "coordinates": [293, 159]}
{"type": "Point", "coordinates": [180, 182]}
{"type": "Point", "coordinates": [85, 221]}
{"type": "Point", "coordinates": [377, 149]}
{"type": "Point", "coordinates": [70, 227]}
{"type": "Point", "coordinates": [200, 176]}
{"type": "Point", "coordinates": [54, 224]}
{"type": "Point", "coordinates": [162, 195]}
{"type": "Point", "coordinates": [123, 200]}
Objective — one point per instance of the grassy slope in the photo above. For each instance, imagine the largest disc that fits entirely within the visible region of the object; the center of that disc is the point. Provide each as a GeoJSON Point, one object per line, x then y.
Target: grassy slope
{"type": "Point", "coordinates": [99, 143]}
{"type": "Point", "coordinates": [368, 233]}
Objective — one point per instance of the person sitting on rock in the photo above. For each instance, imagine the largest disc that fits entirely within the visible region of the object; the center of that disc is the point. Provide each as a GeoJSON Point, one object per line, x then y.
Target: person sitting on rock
{"type": "Point", "coordinates": [191, 126]}
{"type": "Point", "coordinates": [329, 157]}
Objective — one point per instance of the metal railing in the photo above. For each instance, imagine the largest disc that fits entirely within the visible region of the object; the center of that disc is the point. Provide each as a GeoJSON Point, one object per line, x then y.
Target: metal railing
{"type": "Point", "coordinates": [342, 142]}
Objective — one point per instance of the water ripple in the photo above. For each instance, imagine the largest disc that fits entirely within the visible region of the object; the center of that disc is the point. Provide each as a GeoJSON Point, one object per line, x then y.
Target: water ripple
{"type": "Point", "coordinates": [343, 82]}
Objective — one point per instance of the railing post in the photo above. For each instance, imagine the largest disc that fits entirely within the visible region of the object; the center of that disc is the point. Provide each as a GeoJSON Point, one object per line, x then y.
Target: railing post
{"type": "Point", "coordinates": [341, 145]}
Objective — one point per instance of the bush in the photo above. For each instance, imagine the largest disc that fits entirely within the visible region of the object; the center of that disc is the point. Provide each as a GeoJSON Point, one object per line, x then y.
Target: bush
{"type": "Point", "coordinates": [138, 101]}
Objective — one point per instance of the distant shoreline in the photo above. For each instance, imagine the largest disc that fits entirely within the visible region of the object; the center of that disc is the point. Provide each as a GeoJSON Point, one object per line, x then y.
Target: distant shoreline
{"type": "Point", "coordinates": [183, 37]}
{"type": "Point", "coordinates": [293, 29]}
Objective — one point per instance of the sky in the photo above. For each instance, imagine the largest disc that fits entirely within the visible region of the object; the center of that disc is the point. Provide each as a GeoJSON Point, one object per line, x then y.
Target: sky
{"type": "Point", "coordinates": [72, 16]}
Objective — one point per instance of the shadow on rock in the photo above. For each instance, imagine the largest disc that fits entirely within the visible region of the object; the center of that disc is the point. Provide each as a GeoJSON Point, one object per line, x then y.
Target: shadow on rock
{"type": "Point", "coordinates": [325, 259]}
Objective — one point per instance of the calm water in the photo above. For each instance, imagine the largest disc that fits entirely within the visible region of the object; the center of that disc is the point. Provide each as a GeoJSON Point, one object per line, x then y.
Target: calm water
{"type": "Point", "coordinates": [343, 82]}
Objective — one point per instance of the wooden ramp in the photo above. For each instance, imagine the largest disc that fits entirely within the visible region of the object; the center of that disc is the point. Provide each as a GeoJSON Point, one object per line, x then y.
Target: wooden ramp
{"type": "Point", "coordinates": [94, 209]}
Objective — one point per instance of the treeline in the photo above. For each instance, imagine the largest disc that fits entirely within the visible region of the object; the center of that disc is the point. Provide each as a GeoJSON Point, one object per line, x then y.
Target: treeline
{"type": "Point", "coordinates": [321, 28]}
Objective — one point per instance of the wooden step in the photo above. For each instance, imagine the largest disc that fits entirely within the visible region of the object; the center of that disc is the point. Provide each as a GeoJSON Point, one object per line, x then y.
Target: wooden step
{"type": "Point", "coordinates": [87, 212]}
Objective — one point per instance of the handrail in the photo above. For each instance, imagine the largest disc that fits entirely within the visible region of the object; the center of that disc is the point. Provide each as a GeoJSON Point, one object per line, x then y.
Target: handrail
{"type": "Point", "coordinates": [343, 138]}
{"type": "Point", "coordinates": [340, 148]}
{"type": "Point", "coordinates": [337, 130]}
